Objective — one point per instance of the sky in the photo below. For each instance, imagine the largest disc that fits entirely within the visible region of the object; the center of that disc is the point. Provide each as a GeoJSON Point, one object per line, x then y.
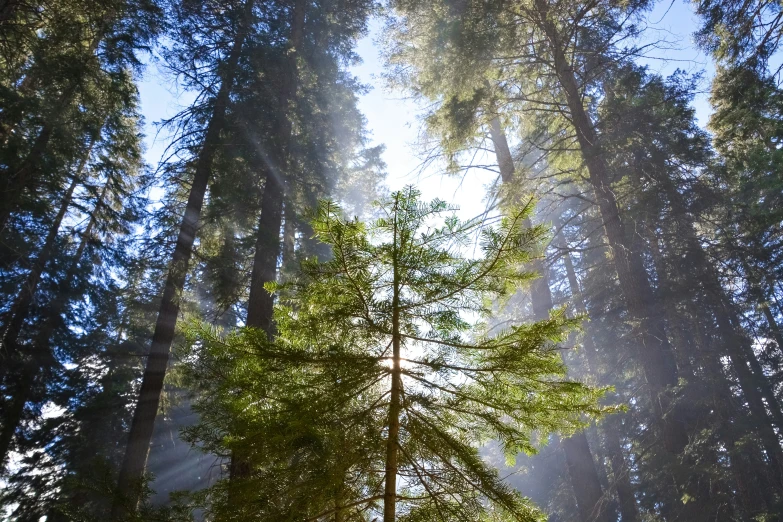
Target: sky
{"type": "Point", "coordinates": [393, 119]}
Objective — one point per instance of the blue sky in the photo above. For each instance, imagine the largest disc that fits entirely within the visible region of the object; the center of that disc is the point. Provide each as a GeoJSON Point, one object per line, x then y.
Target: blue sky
{"type": "Point", "coordinates": [393, 120]}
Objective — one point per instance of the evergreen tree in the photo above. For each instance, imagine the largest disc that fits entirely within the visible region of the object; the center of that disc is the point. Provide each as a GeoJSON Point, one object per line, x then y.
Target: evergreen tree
{"type": "Point", "coordinates": [195, 36]}
{"type": "Point", "coordinates": [381, 381]}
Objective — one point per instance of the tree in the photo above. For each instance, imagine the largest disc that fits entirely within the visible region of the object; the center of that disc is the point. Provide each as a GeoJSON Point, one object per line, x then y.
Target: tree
{"type": "Point", "coordinates": [557, 75]}
{"type": "Point", "coordinates": [72, 51]}
{"type": "Point", "coordinates": [385, 338]}
{"type": "Point", "coordinates": [135, 461]}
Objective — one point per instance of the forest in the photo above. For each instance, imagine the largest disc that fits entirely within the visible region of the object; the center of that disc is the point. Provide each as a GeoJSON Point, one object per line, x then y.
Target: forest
{"type": "Point", "coordinates": [239, 310]}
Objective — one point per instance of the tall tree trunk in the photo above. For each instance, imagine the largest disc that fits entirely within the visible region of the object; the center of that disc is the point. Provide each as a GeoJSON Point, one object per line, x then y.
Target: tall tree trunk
{"type": "Point", "coordinates": [655, 352]}
{"type": "Point", "coordinates": [579, 460]}
{"type": "Point", "coordinates": [677, 327]}
{"type": "Point", "coordinates": [620, 470]}
{"type": "Point", "coordinates": [610, 427]}
{"type": "Point", "coordinates": [260, 304]}
{"type": "Point", "coordinates": [20, 309]}
{"type": "Point", "coordinates": [289, 235]}
{"type": "Point", "coordinates": [137, 450]}
{"type": "Point", "coordinates": [732, 342]}
{"type": "Point", "coordinates": [393, 422]}
{"type": "Point", "coordinates": [753, 382]}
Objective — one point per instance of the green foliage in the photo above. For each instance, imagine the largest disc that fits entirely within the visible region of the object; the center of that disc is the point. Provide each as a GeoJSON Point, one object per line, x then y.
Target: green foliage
{"type": "Point", "coordinates": [309, 410]}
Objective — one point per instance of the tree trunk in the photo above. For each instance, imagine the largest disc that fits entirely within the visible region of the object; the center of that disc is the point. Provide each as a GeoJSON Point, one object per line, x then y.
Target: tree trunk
{"type": "Point", "coordinates": [289, 235]}
{"type": "Point", "coordinates": [622, 482]}
{"type": "Point", "coordinates": [137, 450]}
{"type": "Point", "coordinates": [752, 380]}
{"type": "Point", "coordinates": [620, 471]}
{"type": "Point", "coordinates": [21, 306]}
{"type": "Point", "coordinates": [18, 314]}
{"type": "Point", "coordinates": [579, 460]}
{"type": "Point", "coordinates": [260, 303]}
{"type": "Point", "coordinates": [655, 352]}
{"type": "Point", "coordinates": [393, 438]}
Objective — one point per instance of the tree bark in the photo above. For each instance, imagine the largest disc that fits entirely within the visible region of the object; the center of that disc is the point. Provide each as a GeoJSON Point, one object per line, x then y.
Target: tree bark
{"type": "Point", "coordinates": [260, 304]}
{"type": "Point", "coordinates": [289, 235]}
{"type": "Point", "coordinates": [620, 471]}
{"type": "Point", "coordinates": [137, 450]}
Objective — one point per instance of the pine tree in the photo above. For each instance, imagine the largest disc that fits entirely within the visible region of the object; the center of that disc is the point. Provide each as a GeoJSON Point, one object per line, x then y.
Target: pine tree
{"type": "Point", "coordinates": [131, 473]}
{"type": "Point", "coordinates": [382, 340]}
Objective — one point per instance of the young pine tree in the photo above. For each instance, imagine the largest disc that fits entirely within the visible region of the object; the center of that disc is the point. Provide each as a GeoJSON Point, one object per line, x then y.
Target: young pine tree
{"type": "Point", "coordinates": [383, 380]}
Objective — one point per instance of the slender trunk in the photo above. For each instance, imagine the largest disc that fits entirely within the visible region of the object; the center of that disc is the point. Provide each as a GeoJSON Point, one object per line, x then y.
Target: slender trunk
{"type": "Point", "coordinates": [584, 479]}
{"type": "Point", "coordinates": [754, 385]}
{"type": "Point", "coordinates": [289, 235]}
{"type": "Point", "coordinates": [21, 306]}
{"type": "Point", "coordinates": [579, 460]}
{"type": "Point", "coordinates": [18, 315]}
{"type": "Point", "coordinates": [753, 488]}
{"type": "Point", "coordinates": [58, 304]}
{"type": "Point", "coordinates": [758, 294]}
{"type": "Point", "coordinates": [260, 304]}
{"type": "Point", "coordinates": [655, 352]}
{"type": "Point", "coordinates": [752, 380]}
{"type": "Point", "coordinates": [620, 471]}
{"type": "Point", "coordinates": [393, 440]}
{"type": "Point", "coordinates": [677, 327]}
{"type": "Point", "coordinates": [137, 450]}
{"type": "Point", "coordinates": [621, 479]}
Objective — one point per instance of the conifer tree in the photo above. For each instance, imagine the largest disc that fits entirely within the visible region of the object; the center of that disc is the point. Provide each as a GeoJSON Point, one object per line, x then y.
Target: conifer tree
{"type": "Point", "coordinates": [239, 24]}
{"type": "Point", "coordinates": [380, 354]}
